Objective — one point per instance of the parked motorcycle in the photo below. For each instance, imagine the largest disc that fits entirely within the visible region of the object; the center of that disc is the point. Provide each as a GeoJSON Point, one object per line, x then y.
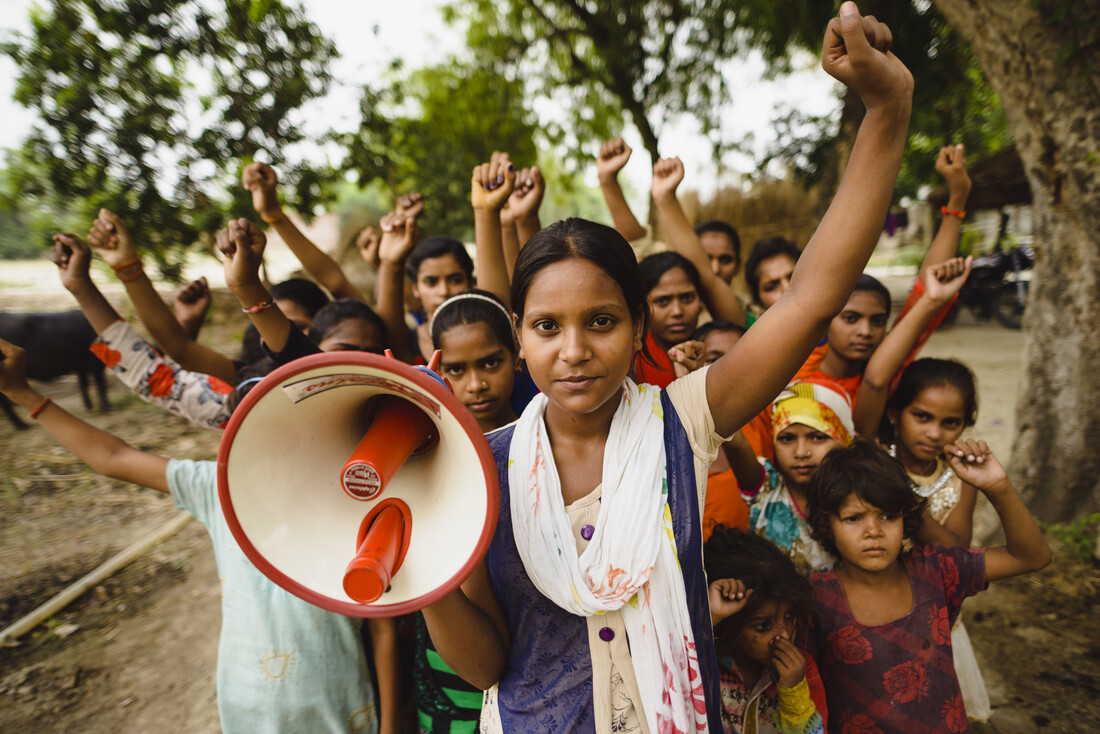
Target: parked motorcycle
{"type": "Point", "coordinates": [998, 283]}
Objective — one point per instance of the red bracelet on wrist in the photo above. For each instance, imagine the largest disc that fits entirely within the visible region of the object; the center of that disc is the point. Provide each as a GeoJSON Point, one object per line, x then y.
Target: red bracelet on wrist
{"type": "Point", "coordinates": [41, 406]}
{"type": "Point", "coordinates": [958, 214]}
{"type": "Point", "coordinates": [261, 306]}
{"type": "Point", "coordinates": [128, 263]}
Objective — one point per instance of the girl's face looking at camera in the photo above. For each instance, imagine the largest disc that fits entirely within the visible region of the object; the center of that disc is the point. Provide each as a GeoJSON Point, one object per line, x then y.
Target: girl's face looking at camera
{"type": "Point", "coordinates": [865, 536]}
{"type": "Point", "coordinates": [856, 331]}
{"type": "Point", "coordinates": [799, 450]}
{"type": "Point", "coordinates": [769, 622]}
{"type": "Point", "coordinates": [481, 371]}
{"type": "Point", "coordinates": [934, 419]}
{"type": "Point", "coordinates": [578, 336]}
{"type": "Point", "coordinates": [675, 306]}
{"type": "Point", "coordinates": [353, 335]}
{"type": "Point", "coordinates": [437, 279]}
{"type": "Point", "coordinates": [774, 277]}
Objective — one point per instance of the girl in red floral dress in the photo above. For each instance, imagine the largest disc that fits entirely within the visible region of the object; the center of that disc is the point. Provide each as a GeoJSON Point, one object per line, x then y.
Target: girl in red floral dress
{"type": "Point", "coordinates": [882, 618]}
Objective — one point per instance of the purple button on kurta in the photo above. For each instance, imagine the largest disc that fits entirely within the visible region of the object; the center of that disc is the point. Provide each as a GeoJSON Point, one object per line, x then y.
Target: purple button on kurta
{"type": "Point", "coordinates": [607, 634]}
{"type": "Point", "coordinates": [586, 532]}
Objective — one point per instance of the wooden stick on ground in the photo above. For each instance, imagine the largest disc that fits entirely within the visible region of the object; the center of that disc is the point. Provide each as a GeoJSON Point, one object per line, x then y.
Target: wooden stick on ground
{"type": "Point", "coordinates": [75, 590]}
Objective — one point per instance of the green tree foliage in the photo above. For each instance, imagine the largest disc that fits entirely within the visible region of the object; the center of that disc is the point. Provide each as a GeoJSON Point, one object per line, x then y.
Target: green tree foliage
{"type": "Point", "coordinates": [649, 59]}
{"type": "Point", "coordinates": [426, 131]}
{"type": "Point", "coordinates": [119, 126]}
{"type": "Point", "coordinates": [952, 101]}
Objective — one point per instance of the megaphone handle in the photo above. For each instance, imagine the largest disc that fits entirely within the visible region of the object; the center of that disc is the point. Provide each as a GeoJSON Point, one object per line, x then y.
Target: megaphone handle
{"type": "Point", "coordinates": [368, 575]}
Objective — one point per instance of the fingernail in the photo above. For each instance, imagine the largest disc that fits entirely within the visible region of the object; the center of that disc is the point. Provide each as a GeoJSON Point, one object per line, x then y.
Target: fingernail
{"type": "Point", "coordinates": [500, 179]}
{"type": "Point", "coordinates": [849, 8]}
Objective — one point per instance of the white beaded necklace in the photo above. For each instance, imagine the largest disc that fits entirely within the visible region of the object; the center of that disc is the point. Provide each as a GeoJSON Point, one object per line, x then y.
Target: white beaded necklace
{"type": "Point", "coordinates": [932, 488]}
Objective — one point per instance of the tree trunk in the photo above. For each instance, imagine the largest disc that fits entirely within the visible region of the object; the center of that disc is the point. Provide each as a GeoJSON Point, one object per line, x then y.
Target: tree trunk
{"type": "Point", "coordinates": [1053, 110]}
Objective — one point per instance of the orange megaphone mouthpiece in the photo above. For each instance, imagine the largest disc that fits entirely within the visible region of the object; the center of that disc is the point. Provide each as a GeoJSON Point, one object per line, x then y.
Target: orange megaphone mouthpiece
{"type": "Point", "coordinates": [382, 544]}
{"type": "Point", "coordinates": [399, 430]}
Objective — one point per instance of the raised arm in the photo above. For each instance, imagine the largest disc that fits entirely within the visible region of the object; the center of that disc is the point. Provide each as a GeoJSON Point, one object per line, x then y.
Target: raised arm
{"type": "Point", "coordinates": [262, 181]}
{"type": "Point", "coordinates": [243, 244]}
{"type": "Point", "coordinates": [103, 452]}
{"type": "Point", "coordinates": [111, 240]}
{"type": "Point", "coordinates": [856, 52]}
{"type": "Point", "coordinates": [490, 186]}
{"type": "Point", "coordinates": [951, 164]}
{"type": "Point", "coordinates": [942, 282]}
{"type": "Point", "coordinates": [747, 469]}
{"type": "Point", "coordinates": [399, 236]}
{"type": "Point", "coordinates": [719, 300]}
{"type": "Point", "coordinates": [72, 257]}
{"type": "Point", "coordinates": [612, 157]}
{"type": "Point", "coordinates": [1025, 547]}
{"type": "Point", "coordinates": [190, 305]}
{"type": "Point", "coordinates": [524, 203]}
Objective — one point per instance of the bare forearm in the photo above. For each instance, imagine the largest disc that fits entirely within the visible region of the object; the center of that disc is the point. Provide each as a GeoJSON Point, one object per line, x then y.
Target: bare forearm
{"type": "Point", "coordinates": [467, 639]}
{"type": "Point", "coordinates": [317, 263]}
{"type": "Point", "coordinates": [526, 228]}
{"type": "Point", "coordinates": [105, 453]}
{"type": "Point", "coordinates": [848, 233]}
{"type": "Point", "coordinates": [383, 636]}
{"type": "Point", "coordinates": [167, 333]}
{"type": "Point", "coordinates": [946, 242]}
{"type": "Point", "coordinates": [492, 275]}
{"type": "Point", "coordinates": [716, 294]}
{"type": "Point", "coordinates": [621, 215]}
{"type": "Point", "coordinates": [510, 243]}
{"type": "Point", "coordinates": [391, 307]}
{"type": "Point", "coordinates": [273, 325]}
{"type": "Point", "coordinates": [747, 469]}
{"type": "Point", "coordinates": [97, 310]}
{"type": "Point", "coordinates": [1024, 540]}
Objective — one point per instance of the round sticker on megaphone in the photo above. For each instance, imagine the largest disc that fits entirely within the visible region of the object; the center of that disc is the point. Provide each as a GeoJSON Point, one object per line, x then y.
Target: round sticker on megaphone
{"type": "Point", "coordinates": [361, 481]}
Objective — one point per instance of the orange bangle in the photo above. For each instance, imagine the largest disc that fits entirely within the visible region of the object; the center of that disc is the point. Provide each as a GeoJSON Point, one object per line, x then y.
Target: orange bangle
{"type": "Point", "coordinates": [135, 261]}
{"type": "Point", "coordinates": [41, 406]}
{"type": "Point", "coordinates": [958, 214]}
{"type": "Point", "coordinates": [281, 217]}
{"type": "Point", "coordinates": [133, 277]}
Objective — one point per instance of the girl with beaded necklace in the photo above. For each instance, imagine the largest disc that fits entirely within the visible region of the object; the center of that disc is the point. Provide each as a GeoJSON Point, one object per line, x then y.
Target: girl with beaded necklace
{"type": "Point", "coordinates": [935, 400]}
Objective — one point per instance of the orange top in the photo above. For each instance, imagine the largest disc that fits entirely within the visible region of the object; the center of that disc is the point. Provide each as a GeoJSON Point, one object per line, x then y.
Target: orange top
{"type": "Point", "coordinates": [724, 505]}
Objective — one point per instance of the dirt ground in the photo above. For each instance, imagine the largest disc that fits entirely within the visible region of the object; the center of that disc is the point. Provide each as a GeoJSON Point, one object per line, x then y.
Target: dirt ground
{"type": "Point", "coordinates": [137, 653]}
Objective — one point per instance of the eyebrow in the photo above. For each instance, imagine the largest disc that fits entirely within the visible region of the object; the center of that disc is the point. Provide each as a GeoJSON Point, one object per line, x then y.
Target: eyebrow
{"type": "Point", "coordinates": [603, 307]}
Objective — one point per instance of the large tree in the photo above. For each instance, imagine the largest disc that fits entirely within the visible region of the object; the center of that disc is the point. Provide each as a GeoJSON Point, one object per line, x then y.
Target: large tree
{"type": "Point", "coordinates": [120, 127]}
{"type": "Point", "coordinates": [426, 131]}
{"type": "Point", "coordinates": [1043, 59]}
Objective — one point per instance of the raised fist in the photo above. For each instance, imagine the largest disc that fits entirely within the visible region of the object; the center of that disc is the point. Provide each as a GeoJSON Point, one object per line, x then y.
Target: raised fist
{"type": "Point", "coordinates": [667, 175]}
{"type": "Point", "coordinates": [191, 303]}
{"type": "Point", "coordinates": [72, 257]}
{"type": "Point", "coordinates": [612, 157]}
{"type": "Point", "coordinates": [399, 236]}
{"type": "Point", "coordinates": [367, 244]}
{"type": "Point", "coordinates": [856, 52]}
{"type": "Point", "coordinates": [262, 181]}
{"type": "Point", "coordinates": [943, 281]}
{"type": "Point", "coordinates": [951, 164]}
{"type": "Point", "coordinates": [491, 185]}
{"type": "Point", "coordinates": [410, 205]}
{"type": "Point", "coordinates": [242, 243]}
{"type": "Point", "coordinates": [111, 240]}
{"type": "Point", "coordinates": [527, 196]}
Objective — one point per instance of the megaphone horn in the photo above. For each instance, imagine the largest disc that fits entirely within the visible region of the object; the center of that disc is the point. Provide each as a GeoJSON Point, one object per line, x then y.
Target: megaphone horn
{"type": "Point", "coordinates": [418, 495]}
